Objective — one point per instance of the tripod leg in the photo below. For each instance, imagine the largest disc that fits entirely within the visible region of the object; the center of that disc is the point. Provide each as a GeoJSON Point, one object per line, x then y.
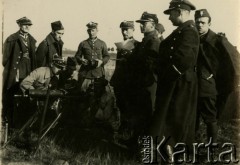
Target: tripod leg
{"type": "Point", "coordinates": [30, 122]}
{"type": "Point", "coordinates": [51, 125]}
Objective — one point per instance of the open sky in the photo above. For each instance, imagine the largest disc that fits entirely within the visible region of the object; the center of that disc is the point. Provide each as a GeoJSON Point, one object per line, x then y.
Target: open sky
{"type": "Point", "coordinates": [75, 14]}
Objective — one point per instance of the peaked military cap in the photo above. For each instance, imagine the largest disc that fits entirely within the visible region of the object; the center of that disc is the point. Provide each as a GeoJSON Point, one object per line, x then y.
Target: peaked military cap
{"type": "Point", "coordinates": [58, 61]}
{"type": "Point", "coordinates": [92, 25]}
{"type": "Point", "coordinates": [201, 13]}
{"type": "Point", "coordinates": [148, 17]}
{"type": "Point", "coordinates": [24, 21]}
{"type": "Point", "coordinates": [57, 25]}
{"type": "Point", "coordinates": [127, 24]}
{"type": "Point", "coordinates": [180, 4]}
{"type": "Point", "coordinates": [160, 28]}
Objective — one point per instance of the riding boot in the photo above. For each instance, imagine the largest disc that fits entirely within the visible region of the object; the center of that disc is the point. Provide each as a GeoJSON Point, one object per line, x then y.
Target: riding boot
{"type": "Point", "coordinates": [212, 130]}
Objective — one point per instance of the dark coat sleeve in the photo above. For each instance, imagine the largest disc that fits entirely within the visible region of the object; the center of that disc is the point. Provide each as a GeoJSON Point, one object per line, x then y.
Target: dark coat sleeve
{"type": "Point", "coordinates": [41, 54]}
{"type": "Point", "coordinates": [184, 56]}
{"type": "Point", "coordinates": [7, 51]}
{"type": "Point", "coordinates": [79, 53]}
{"type": "Point", "coordinates": [186, 53]}
{"type": "Point", "coordinates": [229, 73]}
{"type": "Point", "coordinates": [105, 53]}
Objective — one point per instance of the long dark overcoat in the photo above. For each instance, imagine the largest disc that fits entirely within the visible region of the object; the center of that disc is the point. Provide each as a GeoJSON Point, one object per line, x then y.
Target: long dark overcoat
{"type": "Point", "coordinates": [46, 49]}
{"type": "Point", "coordinates": [176, 99]}
{"type": "Point", "coordinates": [12, 54]}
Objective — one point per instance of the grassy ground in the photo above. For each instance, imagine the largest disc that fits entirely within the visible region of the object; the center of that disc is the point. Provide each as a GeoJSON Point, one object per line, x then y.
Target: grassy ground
{"type": "Point", "coordinates": [92, 147]}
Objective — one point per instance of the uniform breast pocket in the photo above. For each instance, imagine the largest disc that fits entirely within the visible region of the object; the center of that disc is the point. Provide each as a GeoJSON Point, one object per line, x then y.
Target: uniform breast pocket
{"type": "Point", "coordinates": [86, 51]}
{"type": "Point", "coordinates": [98, 53]}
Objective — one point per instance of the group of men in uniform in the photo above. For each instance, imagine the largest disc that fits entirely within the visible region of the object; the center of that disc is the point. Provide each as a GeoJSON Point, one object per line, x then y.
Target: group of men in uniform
{"type": "Point", "coordinates": [160, 85]}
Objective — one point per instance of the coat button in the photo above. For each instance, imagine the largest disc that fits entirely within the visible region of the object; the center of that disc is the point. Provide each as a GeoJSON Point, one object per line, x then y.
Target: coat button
{"type": "Point", "coordinates": [14, 68]}
{"type": "Point", "coordinates": [18, 56]}
{"type": "Point", "coordinates": [172, 47]}
{"type": "Point", "coordinates": [170, 57]}
{"type": "Point", "coordinates": [16, 62]}
{"type": "Point", "coordinates": [174, 39]}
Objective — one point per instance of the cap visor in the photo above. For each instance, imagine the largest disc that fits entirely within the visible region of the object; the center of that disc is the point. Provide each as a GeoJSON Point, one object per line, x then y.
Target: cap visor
{"type": "Point", "coordinates": [168, 10]}
{"type": "Point", "coordinates": [143, 20]}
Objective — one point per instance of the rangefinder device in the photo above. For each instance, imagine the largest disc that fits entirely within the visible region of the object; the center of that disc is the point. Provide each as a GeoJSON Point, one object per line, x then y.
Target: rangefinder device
{"type": "Point", "coordinates": [93, 63]}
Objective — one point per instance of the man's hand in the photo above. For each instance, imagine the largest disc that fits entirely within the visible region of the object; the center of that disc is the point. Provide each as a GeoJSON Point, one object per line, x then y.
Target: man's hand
{"type": "Point", "coordinates": [84, 61]}
{"type": "Point", "coordinates": [100, 62]}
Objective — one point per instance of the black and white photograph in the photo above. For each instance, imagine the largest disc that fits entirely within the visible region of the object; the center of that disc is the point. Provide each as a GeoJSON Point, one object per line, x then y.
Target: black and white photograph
{"type": "Point", "coordinates": [123, 82]}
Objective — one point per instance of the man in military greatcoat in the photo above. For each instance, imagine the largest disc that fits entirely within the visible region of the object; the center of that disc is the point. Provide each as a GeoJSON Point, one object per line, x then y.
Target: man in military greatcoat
{"type": "Point", "coordinates": [120, 77]}
{"type": "Point", "coordinates": [19, 60]}
{"type": "Point", "coordinates": [142, 78]}
{"type": "Point", "coordinates": [51, 45]}
{"type": "Point", "coordinates": [176, 100]}
{"type": "Point", "coordinates": [218, 67]}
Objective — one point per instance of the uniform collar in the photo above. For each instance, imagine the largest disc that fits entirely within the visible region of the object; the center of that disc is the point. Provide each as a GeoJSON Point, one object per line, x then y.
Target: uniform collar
{"type": "Point", "coordinates": [93, 40]}
{"type": "Point", "coordinates": [23, 35]}
{"type": "Point", "coordinates": [50, 39]}
{"type": "Point", "coordinates": [185, 24]}
{"type": "Point", "coordinates": [150, 35]}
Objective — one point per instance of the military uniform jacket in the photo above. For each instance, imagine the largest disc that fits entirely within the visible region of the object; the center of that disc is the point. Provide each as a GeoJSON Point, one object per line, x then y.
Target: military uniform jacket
{"type": "Point", "coordinates": [218, 65]}
{"type": "Point", "coordinates": [91, 50]}
{"type": "Point", "coordinates": [38, 79]}
{"type": "Point", "coordinates": [176, 98]}
{"type": "Point", "coordinates": [12, 56]}
{"type": "Point", "coordinates": [120, 75]}
{"type": "Point", "coordinates": [143, 62]}
{"type": "Point", "coordinates": [46, 49]}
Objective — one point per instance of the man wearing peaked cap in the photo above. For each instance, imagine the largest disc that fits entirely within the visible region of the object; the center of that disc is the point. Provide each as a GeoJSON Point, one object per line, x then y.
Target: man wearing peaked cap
{"type": "Point", "coordinates": [218, 72]}
{"type": "Point", "coordinates": [142, 78]}
{"type": "Point", "coordinates": [41, 77]}
{"type": "Point", "coordinates": [121, 76]}
{"type": "Point", "coordinates": [92, 55]}
{"type": "Point", "coordinates": [176, 97]}
{"type": "Point", "coordinates": [92, 25]}
{"type": "Point", "coordinates": [24, 21]}
{"type": "Point", "coordinates": [148, 17]}
{"type": "Point", "coordinates": [180, 4]}
{"type": "Point", "coordinates": [18, 61]}
{"type": "Point", "coordinates": [51, 45]}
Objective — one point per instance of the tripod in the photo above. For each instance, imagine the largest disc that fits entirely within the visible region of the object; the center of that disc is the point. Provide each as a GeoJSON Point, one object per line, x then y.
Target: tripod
{"type": "Point", "coordinates": [39, 94]}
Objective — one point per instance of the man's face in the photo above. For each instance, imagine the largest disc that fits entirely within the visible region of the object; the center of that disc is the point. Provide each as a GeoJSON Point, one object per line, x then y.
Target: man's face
{"type": "Point", "coordinates": [202, 24]}
{"type": "Point", "coordinates": [92, 33]}
{"type": "Point", "coordinates": [58, 34]}
{"type": "Point", "coordinates": [56, 70]}
{"type": "Point", "coordinates": [159, 34]}
{"type": "Point", "coordinates": [127, 33]}
{"type": "Point", "coordinates": [25, 28]}
{"type": "Point", "coordinates": [174, 17]}
{"type": "Point", "coordinates": [146, 27]}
